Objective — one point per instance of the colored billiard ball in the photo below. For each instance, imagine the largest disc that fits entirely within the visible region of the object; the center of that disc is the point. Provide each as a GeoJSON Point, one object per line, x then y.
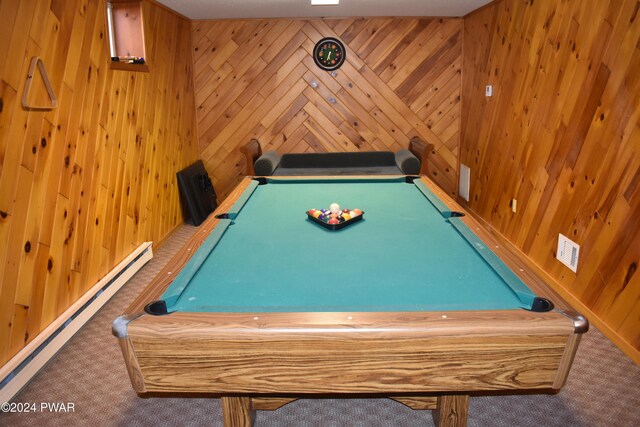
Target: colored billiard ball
{"type": "Point", "coordinates": [317, 214]}
{"type": "Point", "coordinates": [333, 221]}
{"type": "Point", "coordinates": [334, 208]}
{"type": "Point", "coordinates": [346, 216]}
{"type": "Point", "coordinates": [311, 211]}
{"type": "Point", "coordinates": [356, 212]}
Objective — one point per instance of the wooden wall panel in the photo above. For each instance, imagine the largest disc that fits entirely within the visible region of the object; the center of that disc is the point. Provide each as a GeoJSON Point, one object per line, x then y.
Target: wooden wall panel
{"type": "Point", "coordinates": [84, 184]}
{"type": "Point", "coordinates": [254, 79]}
{"type": "Point", "coordinates": [562, 136]}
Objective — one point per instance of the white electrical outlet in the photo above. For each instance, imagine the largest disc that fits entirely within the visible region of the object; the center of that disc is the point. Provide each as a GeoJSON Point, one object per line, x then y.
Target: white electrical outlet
{"type": "Point", "coordinates": [488, 90]}
{"type": "Point", "coordinates": [514, 204]}
{"type": "Point", "coordinates": [568, 252]}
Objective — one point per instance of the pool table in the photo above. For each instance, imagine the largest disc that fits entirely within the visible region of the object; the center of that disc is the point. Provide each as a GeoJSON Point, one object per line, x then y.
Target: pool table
{"type": "Point", "coordinates": [416, 301]}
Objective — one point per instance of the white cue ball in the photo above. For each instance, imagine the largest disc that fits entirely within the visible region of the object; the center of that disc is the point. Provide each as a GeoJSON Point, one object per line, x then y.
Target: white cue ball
{"type": "Point", "coordinates": [334, 208]}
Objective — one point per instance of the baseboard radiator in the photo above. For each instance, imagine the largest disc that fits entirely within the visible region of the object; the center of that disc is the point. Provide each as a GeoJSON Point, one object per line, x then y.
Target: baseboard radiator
{"type": "Point", "coordinates": [18, 371]}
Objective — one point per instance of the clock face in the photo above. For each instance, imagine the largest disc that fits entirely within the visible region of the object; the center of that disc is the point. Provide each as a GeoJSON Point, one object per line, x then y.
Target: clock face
{"type": "Point", "coordinates": [329, 53]}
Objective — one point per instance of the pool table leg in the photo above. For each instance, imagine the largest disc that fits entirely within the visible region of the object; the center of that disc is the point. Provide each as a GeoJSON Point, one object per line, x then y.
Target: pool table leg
{"type": "Point", "coordinates": [236, 411]}
{"type": "Point", "coordinates": [451, 411]}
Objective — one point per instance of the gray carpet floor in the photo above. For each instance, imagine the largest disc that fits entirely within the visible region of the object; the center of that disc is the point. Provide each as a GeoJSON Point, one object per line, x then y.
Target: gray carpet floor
{"type": "Point", "coordinates": [602, 389]}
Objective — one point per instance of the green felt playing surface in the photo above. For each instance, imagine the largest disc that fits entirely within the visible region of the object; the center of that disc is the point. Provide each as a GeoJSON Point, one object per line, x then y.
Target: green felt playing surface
{"type": "Point", "coordinates": [405, 255]}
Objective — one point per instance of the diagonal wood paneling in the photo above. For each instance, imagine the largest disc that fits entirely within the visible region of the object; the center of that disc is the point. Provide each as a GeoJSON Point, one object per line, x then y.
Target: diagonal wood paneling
{"type": "Point", "coordinates": [562, 136]}
{"type": "Point", "coordinates": [83, 185]}
{"type": "Point", "coordinates": [254, 79]}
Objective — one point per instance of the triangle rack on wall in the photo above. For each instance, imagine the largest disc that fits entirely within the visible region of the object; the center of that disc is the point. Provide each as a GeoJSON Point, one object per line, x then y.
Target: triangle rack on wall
{"type": "Point", "coordinates": [36, 61]}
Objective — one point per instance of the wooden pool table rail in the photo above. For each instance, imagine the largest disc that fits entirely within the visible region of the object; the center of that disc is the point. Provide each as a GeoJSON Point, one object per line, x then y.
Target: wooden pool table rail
{"type": "Point", "coordinates": [337, 352]}
{"type": "Point", "coordinates": [159, 284]}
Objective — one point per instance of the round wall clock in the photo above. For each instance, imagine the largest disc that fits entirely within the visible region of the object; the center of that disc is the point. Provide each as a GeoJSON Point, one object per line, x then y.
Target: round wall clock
{"type": "Point", "coordinates": [329, 53]}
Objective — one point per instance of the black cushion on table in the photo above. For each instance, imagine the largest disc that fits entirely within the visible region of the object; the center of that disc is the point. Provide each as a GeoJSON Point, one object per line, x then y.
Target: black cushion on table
{"type": "Point", "coordinates": [407, 162]}
{"type": "Point", "coordinates": [381, 170]}
{"type": "Point", "coordinates": [345, 163]}
{"type": "Point", "coordinates": [338, 160]}
{"type": "Point", "coordinates": [267, 163]}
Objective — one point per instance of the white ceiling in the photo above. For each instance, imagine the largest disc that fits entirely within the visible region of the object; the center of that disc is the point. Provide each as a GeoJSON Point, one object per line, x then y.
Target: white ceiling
{"type": "Point", "coordinates": [228, 9]}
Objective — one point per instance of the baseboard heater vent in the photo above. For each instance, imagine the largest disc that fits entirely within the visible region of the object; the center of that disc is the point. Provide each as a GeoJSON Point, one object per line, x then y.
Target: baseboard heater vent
{"type": "Point", "coordinates": [35, 355]}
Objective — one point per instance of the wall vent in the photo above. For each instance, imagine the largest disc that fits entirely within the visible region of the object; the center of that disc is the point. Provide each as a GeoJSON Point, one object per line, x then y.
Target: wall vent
{"type": "Point", "coordinates": [568, 252]}
{"type": "Point", "coordinates": [465, 178]}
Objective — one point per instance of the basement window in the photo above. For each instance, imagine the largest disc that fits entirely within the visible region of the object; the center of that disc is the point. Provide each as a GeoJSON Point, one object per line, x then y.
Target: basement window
{"type": "Point", "coordinates": [126, 35]}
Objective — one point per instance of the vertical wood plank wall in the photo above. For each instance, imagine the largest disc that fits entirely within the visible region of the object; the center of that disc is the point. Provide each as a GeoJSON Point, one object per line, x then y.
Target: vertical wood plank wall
{"type": "Point", "coordinates": [562, 136]}
{"type": "Point", "coordinates": [254, 79]}
{"type": "Point", "coordinates": [84, 184]}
